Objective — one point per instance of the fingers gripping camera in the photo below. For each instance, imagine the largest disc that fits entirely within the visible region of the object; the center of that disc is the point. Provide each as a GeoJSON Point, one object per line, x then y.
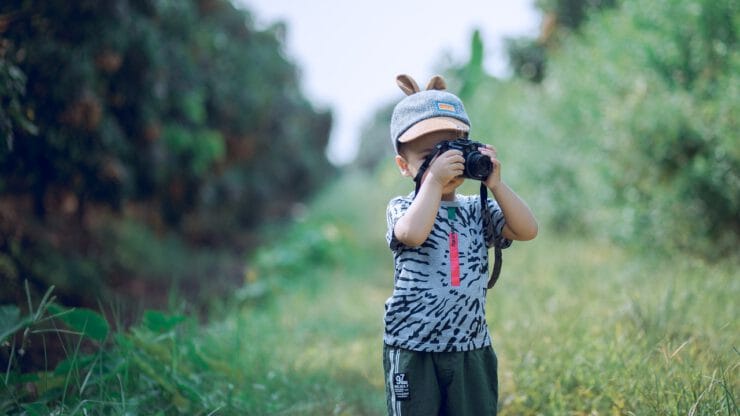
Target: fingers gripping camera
{"type": "Point", "coordinates": [477, 165]}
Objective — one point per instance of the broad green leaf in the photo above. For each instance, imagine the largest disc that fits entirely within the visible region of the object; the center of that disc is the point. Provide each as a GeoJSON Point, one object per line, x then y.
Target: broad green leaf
{"type": "Point", "coordinates": [86, 321]}
{"type": "Point", "coordinates": [159, 322]}
{"type": "Point", "coordinates": [76, 361]}
{"type": "Point", "coordinates": [35, 409]}
{"type": "Point", "coordinates": [11, 321]}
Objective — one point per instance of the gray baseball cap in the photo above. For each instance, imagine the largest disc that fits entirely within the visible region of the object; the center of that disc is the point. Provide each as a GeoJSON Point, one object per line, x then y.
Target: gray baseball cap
{"type": "Point", "coordinates": [423, 112]}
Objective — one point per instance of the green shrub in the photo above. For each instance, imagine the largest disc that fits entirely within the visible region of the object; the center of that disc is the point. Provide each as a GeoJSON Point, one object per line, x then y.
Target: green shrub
{"type": "Point", "coordinates": [667, 124]}
{"type": "Point", "coordinates": [633, 131]}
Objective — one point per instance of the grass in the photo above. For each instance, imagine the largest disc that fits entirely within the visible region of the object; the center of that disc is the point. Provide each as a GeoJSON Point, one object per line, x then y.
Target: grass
{"type": "Point", "coordinates": [588, 328]}
{"type": "Point", "coordinates": [581, 327]}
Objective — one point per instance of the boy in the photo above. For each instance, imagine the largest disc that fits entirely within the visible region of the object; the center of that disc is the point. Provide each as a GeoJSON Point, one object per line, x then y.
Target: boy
{"type": "Point", "coordinates": [437, 353]}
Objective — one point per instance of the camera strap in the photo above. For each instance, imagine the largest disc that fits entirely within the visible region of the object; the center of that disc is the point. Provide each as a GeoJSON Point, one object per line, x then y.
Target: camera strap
{"type": "Point", "coordinates": [497, 255]}
{"type": "Point", "coordinates": [423, 168]}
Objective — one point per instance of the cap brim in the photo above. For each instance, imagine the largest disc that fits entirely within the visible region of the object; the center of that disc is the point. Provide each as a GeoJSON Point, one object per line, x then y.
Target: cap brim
{"type": "Point", "coordinates": [432, 125]}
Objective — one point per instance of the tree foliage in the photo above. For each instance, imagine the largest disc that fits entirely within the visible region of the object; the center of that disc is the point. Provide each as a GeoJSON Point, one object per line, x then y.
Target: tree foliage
{"type": "Point", "coordinates": [643, 106]}
{"type": "Point", "coordinates": [528, 57]}
{"type": "Point", "coordinates": [178, 114]}
{"type": "Point", "coordinates": [571, 14]}
{"type": "Point", "coordinates": [681, 147]}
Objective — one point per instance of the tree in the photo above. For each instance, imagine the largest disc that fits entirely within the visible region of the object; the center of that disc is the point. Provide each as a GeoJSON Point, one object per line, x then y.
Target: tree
{"type": "Point", "coordinates": [178, 114]}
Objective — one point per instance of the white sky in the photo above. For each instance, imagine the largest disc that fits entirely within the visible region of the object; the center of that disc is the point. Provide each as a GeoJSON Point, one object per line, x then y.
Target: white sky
{"type": "Point", "coordinates": [349, 52]}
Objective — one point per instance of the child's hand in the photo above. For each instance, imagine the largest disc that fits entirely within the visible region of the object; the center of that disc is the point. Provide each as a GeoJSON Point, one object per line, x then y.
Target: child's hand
{"type": "Point", "coordinates": [494, 179]}
{"type": "Point", "coordinates": [446, 167]}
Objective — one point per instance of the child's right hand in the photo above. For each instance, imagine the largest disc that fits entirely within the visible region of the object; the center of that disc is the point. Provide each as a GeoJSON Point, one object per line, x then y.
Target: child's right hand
{"type": "Point", "coordinates": [446, 167]}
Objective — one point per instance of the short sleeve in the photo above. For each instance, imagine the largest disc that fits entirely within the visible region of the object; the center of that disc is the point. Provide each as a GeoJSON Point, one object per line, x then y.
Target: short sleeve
{"type": "Point", "coordinates": [494, 225]}
{"type": "Point", "coordinates": [396, 209]}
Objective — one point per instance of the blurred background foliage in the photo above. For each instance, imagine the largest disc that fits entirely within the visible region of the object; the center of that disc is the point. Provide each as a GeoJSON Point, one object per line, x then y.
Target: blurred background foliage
{"type": "Point", "coordinates": [142, 132]}
{"type": "Point", "coordinates": [621, 121]}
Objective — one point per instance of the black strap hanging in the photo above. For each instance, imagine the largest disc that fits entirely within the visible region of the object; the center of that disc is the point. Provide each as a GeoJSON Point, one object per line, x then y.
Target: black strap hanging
{"type": "Point", "coordinates": [497, 255]}
{"type": "Point", "coordinates": [423, 168]}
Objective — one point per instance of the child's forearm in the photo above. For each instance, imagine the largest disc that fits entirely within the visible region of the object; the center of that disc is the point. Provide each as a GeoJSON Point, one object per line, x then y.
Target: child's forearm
{"type": "Point", "coordinates": [414, 227]}
{"type": "Point", "coordinates": [520, 222]}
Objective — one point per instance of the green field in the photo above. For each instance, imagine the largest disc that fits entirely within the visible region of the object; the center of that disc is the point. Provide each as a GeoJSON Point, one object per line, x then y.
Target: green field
{"type": "Point", "coordinates": [580, 326]}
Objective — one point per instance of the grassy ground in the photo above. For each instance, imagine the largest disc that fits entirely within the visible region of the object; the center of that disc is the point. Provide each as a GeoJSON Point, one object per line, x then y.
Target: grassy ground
{"type": "Point", "coordinates": [581, 327]}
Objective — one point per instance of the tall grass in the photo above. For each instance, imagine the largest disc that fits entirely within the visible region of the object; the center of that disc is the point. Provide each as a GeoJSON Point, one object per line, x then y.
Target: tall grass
{"type": "Point", "coordinates": [581, 327]}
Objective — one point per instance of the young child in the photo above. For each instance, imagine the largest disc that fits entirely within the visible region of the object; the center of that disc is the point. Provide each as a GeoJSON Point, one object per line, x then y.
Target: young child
{"type": "Point", "coordinates": [437, 354]}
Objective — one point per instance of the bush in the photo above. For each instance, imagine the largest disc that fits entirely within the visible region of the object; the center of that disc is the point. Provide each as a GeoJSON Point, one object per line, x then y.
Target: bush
{"type": "Point", "coordinates": [666, 124]}
{"type": "Point", "coordinates": [634, 126]}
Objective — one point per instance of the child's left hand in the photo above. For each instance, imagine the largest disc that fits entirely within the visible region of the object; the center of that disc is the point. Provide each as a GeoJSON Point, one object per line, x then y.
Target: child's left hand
{"type": "Point", "coordinates": [494, 179]}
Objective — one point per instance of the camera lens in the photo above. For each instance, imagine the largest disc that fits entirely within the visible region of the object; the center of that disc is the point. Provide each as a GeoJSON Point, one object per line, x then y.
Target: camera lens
{"type": "Point", "coordinates": [478, 166]}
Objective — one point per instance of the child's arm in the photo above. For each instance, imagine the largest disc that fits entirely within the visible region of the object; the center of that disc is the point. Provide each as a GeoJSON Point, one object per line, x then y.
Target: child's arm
{"type": "Point", "coordinates": [520, 222]}
{"type": "Point", "coordinates": [413, 228]}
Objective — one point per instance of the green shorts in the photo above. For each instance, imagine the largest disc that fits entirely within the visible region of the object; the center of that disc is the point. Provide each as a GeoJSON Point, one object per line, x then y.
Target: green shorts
{"type": "Point", "coordinates": [440, 383]}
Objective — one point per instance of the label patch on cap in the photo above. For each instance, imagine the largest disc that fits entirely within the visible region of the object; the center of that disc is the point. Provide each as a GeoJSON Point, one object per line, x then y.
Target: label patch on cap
{"type": "Point", "coordinates": [443, 106]}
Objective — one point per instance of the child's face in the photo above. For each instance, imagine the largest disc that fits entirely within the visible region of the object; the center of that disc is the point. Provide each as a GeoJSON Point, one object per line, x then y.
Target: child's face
{"type": "Point", "coordinates": [416, 151]}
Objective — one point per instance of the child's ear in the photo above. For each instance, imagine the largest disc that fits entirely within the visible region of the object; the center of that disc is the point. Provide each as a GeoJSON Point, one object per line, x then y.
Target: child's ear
{"type": "Point", "coordinates": [403, 165]}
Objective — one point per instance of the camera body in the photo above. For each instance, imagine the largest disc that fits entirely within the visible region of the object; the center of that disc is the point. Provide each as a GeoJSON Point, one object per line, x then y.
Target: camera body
{"type": "Point", "coordinates": [477, 165]}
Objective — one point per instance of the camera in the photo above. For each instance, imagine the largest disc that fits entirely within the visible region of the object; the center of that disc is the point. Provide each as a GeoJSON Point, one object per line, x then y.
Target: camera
{"type": "Point", "coordinates": [477, 165]}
